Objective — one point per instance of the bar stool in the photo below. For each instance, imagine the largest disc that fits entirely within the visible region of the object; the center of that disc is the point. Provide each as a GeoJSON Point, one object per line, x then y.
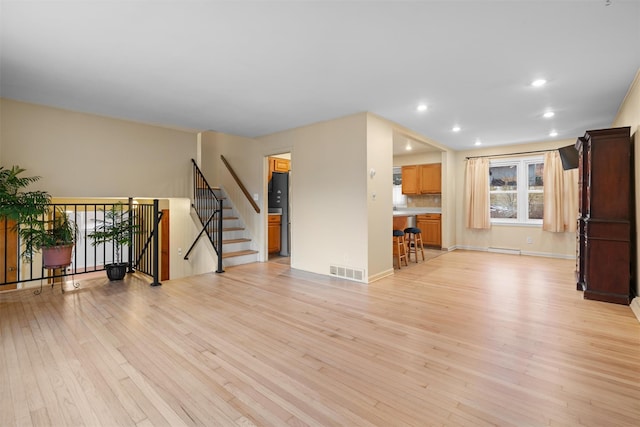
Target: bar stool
{"type": "Point", "coordinates": [400, 247]}
{"type": "Point", "coordinates": [414, 242]}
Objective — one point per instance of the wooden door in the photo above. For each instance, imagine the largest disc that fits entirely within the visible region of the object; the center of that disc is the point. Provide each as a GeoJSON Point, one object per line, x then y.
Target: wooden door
{"type": "Point", "coordinates": [8, 254]}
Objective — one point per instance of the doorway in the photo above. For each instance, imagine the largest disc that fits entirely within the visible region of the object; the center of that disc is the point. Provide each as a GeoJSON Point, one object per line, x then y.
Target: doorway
{"type": "Point", "coordinates": [279, 205]}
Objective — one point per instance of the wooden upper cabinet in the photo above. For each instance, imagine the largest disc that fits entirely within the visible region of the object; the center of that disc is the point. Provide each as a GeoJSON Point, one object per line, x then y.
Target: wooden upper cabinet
{"type": "Point", "coordinates": [410, 180]}
{"type": "Point", "coordinates": [276, 164]}
{"type": "Point", "coordinates": [431, 178]}
{"type": "Point", "coordinates": [422, 179]}
{"type": "Point", "coordinates": [281, 165]}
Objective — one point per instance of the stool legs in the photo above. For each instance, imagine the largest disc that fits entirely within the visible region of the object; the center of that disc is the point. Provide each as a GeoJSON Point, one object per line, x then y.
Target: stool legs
{"type": "Point", "coordinates": [400, 250]}
{"type": "Point", "coordinates": [417, 241]}
{"type": "Point", "coordinates": [414, 245]}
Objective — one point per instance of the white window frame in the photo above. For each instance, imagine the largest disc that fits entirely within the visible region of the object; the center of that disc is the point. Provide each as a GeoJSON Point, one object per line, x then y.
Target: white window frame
{"type": "Point", "coordinates": [522, 192]}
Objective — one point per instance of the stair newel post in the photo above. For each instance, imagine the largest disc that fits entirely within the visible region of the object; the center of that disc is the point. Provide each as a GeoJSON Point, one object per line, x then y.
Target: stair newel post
{"type": "Point", "coordinates": [219, 270]}
{"type": "Point", "coordinates": [130, 260]}
{"type": "Point", "coordinates": [155, 247]}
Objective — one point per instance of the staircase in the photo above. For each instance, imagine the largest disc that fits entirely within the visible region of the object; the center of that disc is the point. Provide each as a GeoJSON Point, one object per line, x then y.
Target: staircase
{"type": "Point", "coordinates": [236, 241]}
{"type": "Point", "coordinates": [233, 245]}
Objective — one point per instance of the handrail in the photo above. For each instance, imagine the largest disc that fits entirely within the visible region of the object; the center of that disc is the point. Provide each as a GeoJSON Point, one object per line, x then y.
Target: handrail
{"type": "Point", "coordinates": [242, 187]}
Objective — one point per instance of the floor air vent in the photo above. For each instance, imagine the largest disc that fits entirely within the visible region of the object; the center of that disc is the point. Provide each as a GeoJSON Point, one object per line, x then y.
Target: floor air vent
{"type": "Point", "coordinates": [349, 273]}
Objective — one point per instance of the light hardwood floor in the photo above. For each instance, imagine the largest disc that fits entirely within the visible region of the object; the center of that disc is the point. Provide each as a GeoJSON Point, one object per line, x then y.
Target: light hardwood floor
{"type": "Point", "coordinates": [467, 338]}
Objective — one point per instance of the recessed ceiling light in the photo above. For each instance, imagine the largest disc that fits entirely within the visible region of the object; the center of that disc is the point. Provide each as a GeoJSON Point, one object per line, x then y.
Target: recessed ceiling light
{"type": "Point", "coordinates": [408, 147]}
{"type": "Point", "coordinates": [478, 142]}
{"type": "Point", "coordinates": [422, 107]}
{"type": "Point", "coordinates": [538, 82]}
{"type": "Point", "coordinates": [456, 129]}
{"type": "Point", "coordinates": [548, 114]}
{"type": "Point", "coordinates": [553, 133]}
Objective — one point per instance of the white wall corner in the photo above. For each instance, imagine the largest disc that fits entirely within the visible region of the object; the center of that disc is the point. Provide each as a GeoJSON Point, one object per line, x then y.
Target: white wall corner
{"type": "Point", "coordinates": [635, 307]}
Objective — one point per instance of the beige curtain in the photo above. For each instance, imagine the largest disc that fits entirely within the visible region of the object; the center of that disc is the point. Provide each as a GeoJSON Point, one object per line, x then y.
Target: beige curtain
{"type": "Point", "coordinates": [560, 195]}
{"type": "Point", "coordinates": [477, 193]}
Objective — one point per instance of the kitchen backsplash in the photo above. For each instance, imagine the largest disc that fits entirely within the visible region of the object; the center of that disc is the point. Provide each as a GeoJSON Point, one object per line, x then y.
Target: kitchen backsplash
{"type": "Point", "coordinates": [424, 201]}
{"type": "Point", "coordinates": [418, 201]}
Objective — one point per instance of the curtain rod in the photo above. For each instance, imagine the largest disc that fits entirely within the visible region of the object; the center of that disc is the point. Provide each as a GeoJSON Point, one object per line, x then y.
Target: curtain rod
{"type": "Point", "coordinates": [510, 154]}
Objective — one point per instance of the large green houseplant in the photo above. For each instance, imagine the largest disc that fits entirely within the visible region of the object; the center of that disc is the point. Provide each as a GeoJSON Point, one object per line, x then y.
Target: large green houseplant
{"type": "Point", "coordinates": [118, 228]}
{"type": "Point", "coordinates": [40, 227]}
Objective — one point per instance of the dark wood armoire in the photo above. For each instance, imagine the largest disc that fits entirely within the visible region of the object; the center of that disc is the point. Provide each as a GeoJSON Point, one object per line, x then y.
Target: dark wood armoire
{"type": "Point", "coordinates": [605, 246]}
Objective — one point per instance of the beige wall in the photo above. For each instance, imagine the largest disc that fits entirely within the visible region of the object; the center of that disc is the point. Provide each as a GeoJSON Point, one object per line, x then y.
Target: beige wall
{"type": "Point", "coordinates": [418, 158]}
{"type": "Point", "coordinates": [379, 141]}
{"type": "Point", "coordinates": [328, 192]}
{"type": "Point", "coordinates": [545, 243]}
{"type": "Point", "coordinates": [81, 155]}
{"type": "Point", "coordinates": [246, 158]}
{"type": "Point", "coordinates": [629, 115]}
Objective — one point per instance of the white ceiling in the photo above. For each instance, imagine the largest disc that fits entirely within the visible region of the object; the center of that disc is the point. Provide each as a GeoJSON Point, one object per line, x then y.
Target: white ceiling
{"type": "Point", "coordinates": [254, 68]}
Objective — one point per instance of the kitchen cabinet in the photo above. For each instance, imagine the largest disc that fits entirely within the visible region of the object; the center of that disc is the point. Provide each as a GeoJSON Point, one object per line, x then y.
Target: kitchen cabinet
{"type": "Point", "coordinates": [273, 232]}
{"type": "Point", "coordinates": [410, 180]}
{"type": "Point", "coordinates": [430, 178]}
{"type": "Point", "coordinates": [430, 225]}
{"type": "Point", "coordinates": [422, 179]}
{"type": "Point", "coordinates": [276, 164]}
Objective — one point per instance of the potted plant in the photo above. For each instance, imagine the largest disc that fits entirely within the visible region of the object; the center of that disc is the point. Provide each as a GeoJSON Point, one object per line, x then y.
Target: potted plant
{"type": "Point", "coordinates": [118, 228]}
{"type": "Point", "coordinates": [39, 227]}
{"type": "Point", "coordinates": [53, 233]}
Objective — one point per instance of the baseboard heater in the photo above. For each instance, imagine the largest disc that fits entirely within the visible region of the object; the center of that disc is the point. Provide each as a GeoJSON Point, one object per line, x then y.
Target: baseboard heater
{"type": "Point", "coordinates": [349, 273]}
{"type": "Point", "coordinates": [505, 251]}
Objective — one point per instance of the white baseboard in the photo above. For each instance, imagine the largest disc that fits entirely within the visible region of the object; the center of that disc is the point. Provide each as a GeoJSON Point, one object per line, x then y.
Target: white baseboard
{"type": "Point", "coordinates": [635, 307]}
{"type": "Point", "coordinates": [511, 251]}
{"type": "Point", "coordinates": [380, 275]}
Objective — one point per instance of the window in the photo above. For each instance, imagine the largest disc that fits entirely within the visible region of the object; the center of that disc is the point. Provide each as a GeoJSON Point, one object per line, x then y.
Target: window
{"type": "Point", "coordinates": [515, 190]}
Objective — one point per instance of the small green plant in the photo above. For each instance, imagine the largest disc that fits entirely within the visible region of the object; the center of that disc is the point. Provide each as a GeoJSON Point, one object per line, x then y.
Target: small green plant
{"type": "Point", "coordinates": [17, 204]}
{"type": "Point", "coordinates": [37, 225]}
{"type": "Point", "coordinates": [119, 227]}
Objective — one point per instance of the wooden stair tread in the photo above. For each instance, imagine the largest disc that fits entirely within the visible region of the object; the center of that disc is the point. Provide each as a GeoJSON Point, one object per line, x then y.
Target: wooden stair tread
{"type": "Point", "coordinates": [229, 229]}
{"type": "Point", "coordinates": [229, 241]}
{"type": "Point", "coordinates": [238, 253]}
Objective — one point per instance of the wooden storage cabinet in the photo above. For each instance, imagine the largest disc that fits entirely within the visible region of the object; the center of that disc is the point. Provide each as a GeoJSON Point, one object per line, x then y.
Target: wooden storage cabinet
{"type": "Point", "coordinates": [430, 225]}
{"type": "Point", "coordinates": [430, 178]}
{"type": "Point", "coordinates": [273, 232]}
{"type": "Point", "coordinates": [605, 221]}
{"type": "Point", "coordinates": [422, 179]}
{"type": "Point", "coordinates": [276, 164]}
{"type": "Point", "coordinates": [410, 180]}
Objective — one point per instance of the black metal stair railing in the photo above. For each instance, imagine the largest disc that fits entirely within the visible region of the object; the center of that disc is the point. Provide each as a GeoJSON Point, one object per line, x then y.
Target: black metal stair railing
{"type": "Point", "coordinates": [209, 208]}
{"type": "Point", "coordinates": [142, 255]}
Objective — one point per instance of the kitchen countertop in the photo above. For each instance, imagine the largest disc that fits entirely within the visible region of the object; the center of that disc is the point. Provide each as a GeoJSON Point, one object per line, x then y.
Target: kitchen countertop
{"type": "Point", "coordinates": [416, 211]}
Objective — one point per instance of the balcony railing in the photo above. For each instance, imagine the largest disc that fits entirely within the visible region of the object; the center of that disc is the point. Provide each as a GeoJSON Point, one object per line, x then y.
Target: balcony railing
{"type": "Point", "coordinates": [141, 255]}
